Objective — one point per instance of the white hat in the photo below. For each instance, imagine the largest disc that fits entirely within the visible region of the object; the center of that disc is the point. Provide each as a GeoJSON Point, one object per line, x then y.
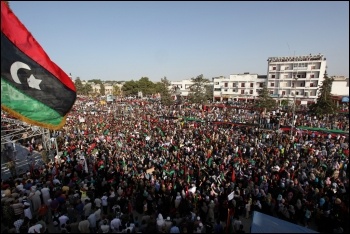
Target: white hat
{"type": "Point", "coordinates": [168, 218]}
{"type": "Point", "coordinates": [26, 204]}
{"type": "Point", "coordinates": [198, 218]}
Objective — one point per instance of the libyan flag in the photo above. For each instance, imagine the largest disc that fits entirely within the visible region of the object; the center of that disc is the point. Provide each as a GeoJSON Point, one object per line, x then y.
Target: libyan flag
{"type": "Point", "coordinates": [33, 88]}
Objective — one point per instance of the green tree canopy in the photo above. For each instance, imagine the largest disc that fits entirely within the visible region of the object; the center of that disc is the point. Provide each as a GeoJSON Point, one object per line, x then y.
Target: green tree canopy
{"type": "Point", "coordinates": [324, 104]}
{"type": "Point", "coordinates": [87, 89]}
{"type": "Point", "coordinates": [96, 81]}
{"type": "Point", "coordinates": [146, 86]}
{"type": "Point", "coordinates": [265, 100]}
{"type": "Point", "coordinates": [130, 88]}
{"type": "Point", "coordinates": [163, 89]}
{"type": "Point", "coordinates": [209, 92]}
{"type": "Point", "coordinates": [79, 86]}
{"type": "Point", "coordinates": [197, 92]}
{"type": "Point", "coordinates": [102, 89]}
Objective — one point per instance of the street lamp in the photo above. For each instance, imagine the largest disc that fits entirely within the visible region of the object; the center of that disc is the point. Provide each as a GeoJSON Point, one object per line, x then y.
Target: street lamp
{"type": "Point", "coordinates": [295, 96]}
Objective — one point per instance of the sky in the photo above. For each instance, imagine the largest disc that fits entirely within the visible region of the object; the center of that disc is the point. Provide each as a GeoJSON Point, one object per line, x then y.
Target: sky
{"type": "Point", "coordinates": [179, 40]}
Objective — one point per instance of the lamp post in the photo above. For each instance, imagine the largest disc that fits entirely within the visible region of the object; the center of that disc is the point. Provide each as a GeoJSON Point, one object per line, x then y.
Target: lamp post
{"type": "Point", "coordinates": [246, 97]}
{"type": "Point", "coordinates": [295, 96]}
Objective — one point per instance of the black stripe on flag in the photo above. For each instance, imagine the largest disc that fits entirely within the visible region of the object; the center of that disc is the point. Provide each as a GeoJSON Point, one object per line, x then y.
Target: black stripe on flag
{"type": "Point", "coordinates": [53, 92]}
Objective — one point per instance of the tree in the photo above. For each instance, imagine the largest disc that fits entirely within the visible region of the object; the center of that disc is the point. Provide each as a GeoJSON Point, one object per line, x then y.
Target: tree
{"type": "Point", "coordinates": [102, 89]}
{"type": "Point", "coordinates": [116, 90]}
{"type": "Point", "coordinates": [87, 89]}
{"type": "Point", "coordinates": [96, 81]}
{"type": "Point", "coordinates": [197, 89]}
{"type": "Point", "coordinates": [79, 86]}
{"type": "Point", "coordinates": [265, 100]}
{"type": "Point", "coordinates": [130, 88]}
{"type": "Point", "coordinates": [209, 92]}
{"type": "Point", "coordinates": [164, 91]}
{"type": "Point", "coordinates": [146, 86]}
{"type": "Point", "coordinates": [324, 104]}
{"type": "Point", "coordinates": [285, 103]}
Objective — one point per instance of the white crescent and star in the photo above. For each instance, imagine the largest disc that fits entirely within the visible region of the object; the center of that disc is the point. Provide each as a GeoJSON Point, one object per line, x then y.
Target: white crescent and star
{"type": "Point", "coordinates": [32, 81]}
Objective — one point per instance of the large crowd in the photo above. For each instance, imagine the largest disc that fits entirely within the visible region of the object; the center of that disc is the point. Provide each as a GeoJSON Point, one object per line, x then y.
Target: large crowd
{"type": "Point", "coordinates": [142, 167]}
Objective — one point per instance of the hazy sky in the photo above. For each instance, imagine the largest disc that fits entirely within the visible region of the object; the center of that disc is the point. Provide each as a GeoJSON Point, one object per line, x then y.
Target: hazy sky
{"type": "Point", "coordinates": [181, 40]}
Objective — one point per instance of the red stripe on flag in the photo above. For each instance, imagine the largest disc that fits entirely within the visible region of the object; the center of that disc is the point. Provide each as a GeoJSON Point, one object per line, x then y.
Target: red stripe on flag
{"type": "Point", "coordinates": [18, 34]}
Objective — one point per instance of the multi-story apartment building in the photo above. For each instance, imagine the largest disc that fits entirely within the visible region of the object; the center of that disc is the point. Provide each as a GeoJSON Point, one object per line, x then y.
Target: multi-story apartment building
{"type": "Point", "coordinates": [238, 87]}
{"type": "Point", "coordinates": [299, 75]}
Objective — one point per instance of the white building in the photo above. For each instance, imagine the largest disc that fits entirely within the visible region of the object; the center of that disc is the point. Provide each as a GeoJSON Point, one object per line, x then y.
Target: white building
{"type": "Point", "coordinates": [238, 87]}
{"type": "Point", "coordinates": [340, 86]}
{"type": "Point", "coordinates": [297, 74]}
{"type": "Point", "coordinates": [182, 86]}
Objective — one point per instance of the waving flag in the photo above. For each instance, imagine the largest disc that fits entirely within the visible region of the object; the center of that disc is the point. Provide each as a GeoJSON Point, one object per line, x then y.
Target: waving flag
{"type": "Point", "coordinates": [33, 88]}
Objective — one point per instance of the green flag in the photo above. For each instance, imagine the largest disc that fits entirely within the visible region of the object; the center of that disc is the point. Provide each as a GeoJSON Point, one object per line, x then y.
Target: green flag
{"type": "Point", "coordinates": [209, 161]}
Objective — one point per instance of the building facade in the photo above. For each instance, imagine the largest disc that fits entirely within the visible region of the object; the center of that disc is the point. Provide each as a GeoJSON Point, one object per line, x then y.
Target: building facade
{"type": "Point", "coordinates": [180, 88]}
{"type": "Point", "coordinates": [340, 86]}
{"type": "Point", "coordinates": [299, 75]}
{"type": "Point", "coordinates": [238, 87]}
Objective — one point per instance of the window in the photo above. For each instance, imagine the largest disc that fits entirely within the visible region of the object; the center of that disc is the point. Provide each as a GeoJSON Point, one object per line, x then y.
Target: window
{"type": "Point", "coordinates": [251, 85]}
{"type": "Point", "coordinates": [273, 76]}
{"type": "Point", "coordinates": [312, 76]}
{"type": "Point", "coordinates": [217, 89]}
{"type": "Point", "coordinates": [234, 85]}
{"type": "Point", "coordinates": [285, 76]}
{"type": "Point", "coordinates": [242, 84]}
{"type": "Point", "coordinates": [242, 91]}
{"type": "Point", "coordinates": [225, 84]}
{"type": "Point", "coordinates": [297, 93]}
{"type": "Point", "coordinates": [272, 84]}
{"type": "Point", "coordinates": [261, 85]}
{"type": "Point", "coordinates": [283, 93]}
{"type": "Point", "coordinates": [271, 92]}
{"type": "Point", "coordinates": [216, 83]}
{"type": "Point", "coordinates": [286, 68]}
{"type": "Point", "coordinates": [273, 68]}
{"type": "Point", "coordinates": [313, 67]}
{"type": "Point", "coordinates": [250, 91]}
{"type": "Point", "coordinates": [311, 84]}
{"type": "Point", "coordinates": [225, 90]}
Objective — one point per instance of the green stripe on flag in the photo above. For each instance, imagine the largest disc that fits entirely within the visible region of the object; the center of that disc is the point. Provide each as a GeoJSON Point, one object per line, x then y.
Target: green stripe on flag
{"type": "Point", "coordinates": [13, 99]}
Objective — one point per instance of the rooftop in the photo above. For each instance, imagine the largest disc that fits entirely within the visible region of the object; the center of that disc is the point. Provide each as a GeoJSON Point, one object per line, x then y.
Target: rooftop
{"type": "Point", "coordinates": [309, 57]}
